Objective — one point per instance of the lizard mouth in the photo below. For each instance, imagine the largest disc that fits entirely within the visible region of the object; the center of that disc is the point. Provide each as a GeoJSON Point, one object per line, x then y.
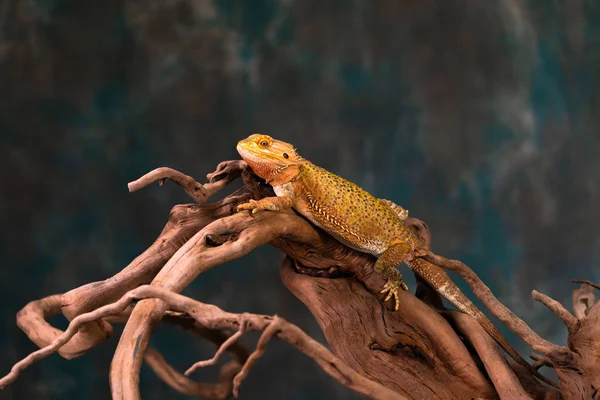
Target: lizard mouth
{"type": "Point", "coordinates": [243, 150]}
{"type": "Point", "coordinates": [250, 152]}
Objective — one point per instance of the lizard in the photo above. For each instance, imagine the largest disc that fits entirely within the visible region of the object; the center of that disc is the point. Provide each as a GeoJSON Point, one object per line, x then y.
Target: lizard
{"type": "Point", "coordinates": [358, 220]}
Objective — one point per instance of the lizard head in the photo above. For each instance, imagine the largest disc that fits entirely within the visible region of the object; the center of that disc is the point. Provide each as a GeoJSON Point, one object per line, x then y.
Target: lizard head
{"type": "Point", "coordinates": [273, 160]}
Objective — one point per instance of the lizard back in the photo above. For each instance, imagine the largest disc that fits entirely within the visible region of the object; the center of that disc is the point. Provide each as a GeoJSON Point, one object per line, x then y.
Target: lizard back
{"type": "Point", "coordinates": [354, 216]}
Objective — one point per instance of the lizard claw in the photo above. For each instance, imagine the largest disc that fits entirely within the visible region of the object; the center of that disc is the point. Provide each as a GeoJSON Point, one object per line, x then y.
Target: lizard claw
{"type": "Point", "coordinates": [392, 289]}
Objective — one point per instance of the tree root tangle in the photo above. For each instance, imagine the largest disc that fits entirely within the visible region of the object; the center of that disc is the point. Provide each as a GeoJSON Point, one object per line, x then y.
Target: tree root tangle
{"type": "Point", "coordinates": [420, 351]}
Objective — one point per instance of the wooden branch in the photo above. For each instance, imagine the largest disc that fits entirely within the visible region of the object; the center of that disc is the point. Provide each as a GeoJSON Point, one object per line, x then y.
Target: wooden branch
{"type": "Point", "coordinates": [499, 310]}
{"type": "Point", "coordinates": [226, 172]}
{"type": "Point", "coordinates": [592, 284]}
{"type": "Point", "coordinates": [577, 368]}
{"type": "Point", "coordinates": [541, 361]}
{"type": "Point", "coordinates": [32, 320]}
{"type": "Point", "coordinates": [222, 348]}
{"type": "Point", "coordinates": [194, 257]}
{"type": "Point", "coordinates": [215, 318]}
{"type": "Point", "coordinates": [184, 385]}
{"type": "Point", "coordinates": [583, 299]}
{"type": "Point", "coordinates": [505, 381]}
{"type": "Point", "coordinates": [412, 353]}
{"type": "Point", "coordinates": [566, 317]}
{"type": "Point", "coordinates": [217, 337]}
{"type": "Point", "coordinates": [63, 338]}
{"type": "Point", "coordinates": [274, 328]}
{"type": "Point", "coordinates": [184, 221]}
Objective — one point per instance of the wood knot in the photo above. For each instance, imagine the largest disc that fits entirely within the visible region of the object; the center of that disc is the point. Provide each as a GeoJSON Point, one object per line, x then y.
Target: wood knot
{"type": "Point", "coordinates": [331, 272]}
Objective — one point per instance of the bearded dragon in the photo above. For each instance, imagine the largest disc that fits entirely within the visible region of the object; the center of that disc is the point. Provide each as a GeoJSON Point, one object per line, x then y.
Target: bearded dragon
{"type": "Point", "coordinates": [357, 219]}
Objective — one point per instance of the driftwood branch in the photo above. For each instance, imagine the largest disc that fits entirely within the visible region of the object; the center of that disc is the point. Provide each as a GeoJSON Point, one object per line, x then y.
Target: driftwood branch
{"type": "Point", "coordinates": [184, 385]}
{"type": "Point", "coordinates": [497, 367]}
{"type": "Point", "coordinates": [586, 282]}
{"type": "Point", "coordinates": [225, 173]}
{"type": "Point", "coordinates": [499, 310]}
{"type": "Point", "coordinates": [419, 351]}
{"type": "Point", "coordinates": [584, 298]}
{"type": "Point", "coordinates": [215, 318]}
{"type": "Point", "coordinates": [561, 312]}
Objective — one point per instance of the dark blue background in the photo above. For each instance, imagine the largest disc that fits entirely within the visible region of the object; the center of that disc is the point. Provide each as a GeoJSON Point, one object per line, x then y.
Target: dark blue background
{"type": "Point", "coordinates": [480, 117]}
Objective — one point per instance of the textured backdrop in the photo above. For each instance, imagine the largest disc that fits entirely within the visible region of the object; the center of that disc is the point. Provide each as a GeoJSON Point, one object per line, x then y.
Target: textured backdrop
{"type": "Point", "coordinates": [480, 117]}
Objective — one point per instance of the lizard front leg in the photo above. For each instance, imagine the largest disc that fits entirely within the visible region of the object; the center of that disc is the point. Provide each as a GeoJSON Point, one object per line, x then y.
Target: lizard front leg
{"type": "Point", "coordinates": [386, 265]}
{"type": "Point", "coordinates": [268, 203]}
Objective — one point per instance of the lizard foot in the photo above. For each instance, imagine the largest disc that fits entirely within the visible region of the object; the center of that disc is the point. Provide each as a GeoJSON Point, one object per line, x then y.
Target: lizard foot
{"type": "Point", "coordinates": [252, 205]}
{"type": "Point", "coordinates": [268, 203]}
{"type": "Point", "coordinates": [392, 288]}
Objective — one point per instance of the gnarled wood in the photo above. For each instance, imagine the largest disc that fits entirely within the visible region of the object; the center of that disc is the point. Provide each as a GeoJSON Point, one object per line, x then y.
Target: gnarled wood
{"type": "Point", "coordinates": [420, 351]}
{"type": "Point", "coordinates": [413, 351]}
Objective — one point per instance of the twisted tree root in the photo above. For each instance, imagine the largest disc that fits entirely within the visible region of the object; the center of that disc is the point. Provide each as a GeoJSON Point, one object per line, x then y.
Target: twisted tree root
{"type": "Point", "coordinates": [412, 353]}
{"type": "Point", "coordinates": [577, 364]}
{"type": "Point", "coordinates": [184, 385]}
{"type": "Point", "coordinates": [215, 318]}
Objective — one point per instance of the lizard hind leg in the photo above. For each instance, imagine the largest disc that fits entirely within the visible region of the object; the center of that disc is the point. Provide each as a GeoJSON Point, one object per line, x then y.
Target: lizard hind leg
{"type": "Point", "coordinates": [386, 266]}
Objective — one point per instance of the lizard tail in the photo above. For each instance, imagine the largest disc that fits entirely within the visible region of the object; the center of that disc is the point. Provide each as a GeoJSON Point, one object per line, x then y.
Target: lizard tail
{"type": "Point", "coordinates": [439, 280]}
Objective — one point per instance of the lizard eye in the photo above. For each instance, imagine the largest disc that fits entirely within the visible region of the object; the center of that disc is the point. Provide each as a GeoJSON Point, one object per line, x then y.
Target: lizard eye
{"type": "Point", "coordinates": [264, 143]}
{"type": "Point", "coordinates": [285, 155]}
